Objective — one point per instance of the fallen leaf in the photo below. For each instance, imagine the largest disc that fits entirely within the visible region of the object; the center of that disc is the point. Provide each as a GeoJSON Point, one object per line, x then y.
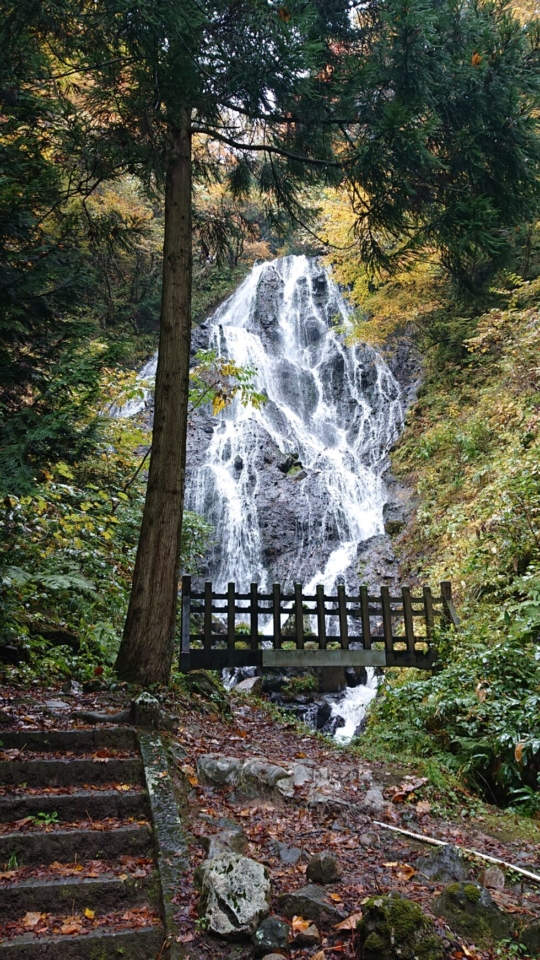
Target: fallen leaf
{"type": "Point", "coordinates": [405, 872]}
{"type": "Point", "coordinates": [318, 956]}
{"type": "Point", "coordinates": [122, 876]}
{"type": "Point", "coordinates": [71, 926]}
{"type": "Point", "coordinates": [350, 923]}
{"type": "Point", "coordinates": [299, 924]}
{"type": "Point", "coordinates": [89, 914]}
{"type": "Point", "coordinates": [31, 920]}
{"type": "Point", "coordinates": [423, 806]}
{"type": "Point", "coordinates": [185, 938]}
{"type": "Point", "coordinates": [335, 897]}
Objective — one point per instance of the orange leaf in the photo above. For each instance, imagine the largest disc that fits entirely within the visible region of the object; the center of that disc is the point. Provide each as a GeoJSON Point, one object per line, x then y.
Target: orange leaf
{"type": "Point", "coordinates": [299, 924]}
{"type": "Point", "coordinates": [476, 59]}
{"type": "Point", "coordinates": [335, 897]}
{"type": "Point", "coordinates": [71, 927]}
{"type": "Point", "coordinates": [284, 14]}
{"type": "Point", "coordinates": [89, 914]}
{"type": "Point", "coordinates": [318, 956]}
{"type": "Point", "coordinates": [31, 920]}
{"type": "Point", "coordinates": [518, 751]}
{"type": "Point", "coordinates": [423, 806]}
{"type": "Point", "coordinates": [350, 923]}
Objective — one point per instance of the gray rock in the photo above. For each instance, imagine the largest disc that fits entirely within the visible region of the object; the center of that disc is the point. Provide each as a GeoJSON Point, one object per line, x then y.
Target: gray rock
{"type": "Point", "coordinates": [253, 686]}
{"type": "Point", "coordinates": [530, 936]}
{"type": "Point", "coordinates": [145, 710]}
{"type": "Point", "coordinates": [445, 864]}
{"type": "Point", "coordinates": [308, 937]}
{"type": "Point", "coordinates": [219, 769]}
{"type": "Point", "coordinates": [289, 855]}
{"type": "Point", "coordinates": [309, 902]}
{"type": "Point", "coordinates": [323, 868]}
{"type": "Point", "coordinates": [272, 934]}
{"type": "Point", "coordinates": [301, 774]}
{"type": "Point", "coordinates": [236, 894]}
{"type": "Point", "coordinates": [57, 706]}
{"type": "Point", "coordinates": [285, 787]}
{"type": "Point", "coordinates": [234, 840]}
{"type": "Point", "coordinates": [260, 776]}
{"type": "Point", "coordinates": [470, 912]}
{"type": "Point", "coordinates": [493, 878]}
{"type": "Point", "coordinates": [368, 839]}
{"type": "Point", "coordinates": [374, 800]}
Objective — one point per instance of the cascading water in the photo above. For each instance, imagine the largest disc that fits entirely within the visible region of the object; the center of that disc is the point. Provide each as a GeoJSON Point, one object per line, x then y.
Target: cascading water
{"type": "Point", "coordinates": [293, 488]}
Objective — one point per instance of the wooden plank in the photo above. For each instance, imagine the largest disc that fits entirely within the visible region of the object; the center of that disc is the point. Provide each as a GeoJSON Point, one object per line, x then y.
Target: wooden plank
{"type": "Point", "coordinates": [364, 613]}
{"type": "Point", "coordinates": [208, 615]}
{"type": "Point", "coordinates": [276, 609]}
{"type": "Point", "coordinates": [186, 612]}
{"type": "Point", "coordinates": [299, 616]}
{"type": "Point", "coordinates": [254, 623]}
{"type": "Point", "coordinates": [408, 618]}
{"type": "Point", "coordinates": [321, 617]}
{"type": "Point", "coordinates": [323, 658]}
{"type": "Point", "coordinates": [230, 619]}
{"type": "Point", "coordinates": [428, 611]}
{"type": "Point", "coordinates": [387, 619]}
{"type": "Point", "coordinates": [343, 626]}
{"type": "Point", "coordinates": [449, 611]}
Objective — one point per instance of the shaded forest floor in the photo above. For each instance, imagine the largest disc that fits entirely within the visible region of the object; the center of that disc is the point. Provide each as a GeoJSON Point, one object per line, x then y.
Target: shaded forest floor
{"type": "Point", "coordinates": [374, 860]}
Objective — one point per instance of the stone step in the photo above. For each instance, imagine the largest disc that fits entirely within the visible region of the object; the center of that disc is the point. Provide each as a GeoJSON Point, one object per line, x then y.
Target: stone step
{"type": "Point", "coordinates": [71, 741]}
{"type": "Point", "coordinates": [80, 805]}
{"type": "Point", "coordinates": [40, 847]}
{"type": "Point", "coordinates": [70, 772]}
{"type": "Point", "coordinates": [55, 894]}
{"type": "Point", "coordinates": [141, 943]}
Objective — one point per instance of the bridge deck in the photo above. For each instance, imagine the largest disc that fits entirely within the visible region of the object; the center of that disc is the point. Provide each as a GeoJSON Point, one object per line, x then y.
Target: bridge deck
{"type": "Point", "coordinates": [277, 629]}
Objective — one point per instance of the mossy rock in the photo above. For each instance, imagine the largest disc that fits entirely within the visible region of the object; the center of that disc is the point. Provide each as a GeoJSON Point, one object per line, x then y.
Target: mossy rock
{"type": "Point", "coordinates": [470, 911]}
{"type": "Point", "coordinates": [205, 684]}
{"type": "Point", "coordinates": [393, 927]}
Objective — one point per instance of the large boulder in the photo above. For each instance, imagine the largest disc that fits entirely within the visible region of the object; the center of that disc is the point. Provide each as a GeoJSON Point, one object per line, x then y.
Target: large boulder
{"type": "Point", "coordinates": [309, 902]}
{"type": "Point", "coordinates": [445, 865]}
{"type": "Point", "coordinates": [259, 776]}
{"type": "Point", "coordinates": [235, 895]}
{"type": "Point", "coordinates": [216, 768]}
{"type": "Point", "coordinates": [470, 911]}
{"type": "Point", "coordinates": [393, 928]}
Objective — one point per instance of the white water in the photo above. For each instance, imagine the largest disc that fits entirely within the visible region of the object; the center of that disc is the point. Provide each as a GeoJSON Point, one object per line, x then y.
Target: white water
{"type": "Point", "coordinates": [337, 407]}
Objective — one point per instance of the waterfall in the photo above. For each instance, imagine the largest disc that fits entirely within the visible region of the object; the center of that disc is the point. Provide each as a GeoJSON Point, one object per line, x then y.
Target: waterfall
{"type": "Point", "coordinates": [293, 488]}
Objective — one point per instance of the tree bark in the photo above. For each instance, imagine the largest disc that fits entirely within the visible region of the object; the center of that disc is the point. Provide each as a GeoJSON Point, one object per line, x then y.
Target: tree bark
{"type": "Point", "coordinates": [146, 651]}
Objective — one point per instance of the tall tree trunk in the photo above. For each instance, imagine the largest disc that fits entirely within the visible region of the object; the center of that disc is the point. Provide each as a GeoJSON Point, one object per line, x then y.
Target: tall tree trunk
{"type": "Point", "coordinates": [146, 650]}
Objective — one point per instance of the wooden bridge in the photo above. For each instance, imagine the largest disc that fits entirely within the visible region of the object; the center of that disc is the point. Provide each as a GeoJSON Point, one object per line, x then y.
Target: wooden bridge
{"type": "Point", "coordinates": [276, 629]}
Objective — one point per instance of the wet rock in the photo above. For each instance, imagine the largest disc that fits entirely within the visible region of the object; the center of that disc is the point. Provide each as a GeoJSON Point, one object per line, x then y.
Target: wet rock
{"type": "Point", "coordinates": [252, 685]}
{"type": "Point", "coordinates": [72, 687]}
{"type": "Point", "coordinates": [309, 902]}
{"type": "Point", "coordinates": [445, 864]}
{"type": "Point", "coordinates": [470, 912]}
{"type": "Point", "coordinates": [288, 855]}
{"type": "Point", "coordinates": [57, 706]}
{"type": "Point", "coordinates": [355, 676]}
{"type": "Point", "coordinates": [235, 895]}
{"type": "Point", "coordinates": [260, 776]}
{"type": "Point", "coordinates": [323, 868]}
{"type": "Point", "coordinates": [145, 710]}
{"type": "Point", "coordinates": [530, 936]}
{"type": "Point", "coordinates": [301, 774]}
{"type": "Point", "coordinates": [233, 839]}
{"type": "Point", "coordinates": [394, 928]}
{"type": "Point", "coordinates": [374, 800]}
{"type": "Point", "coordinates": [300, 475]}
{"type": "Point", "coordinates": [272, 934]}
{"type": "Point", "coordinates": [308, 937]}
{"type": "Point", "coordinates": [493, 878]}
{"type": "Point", "coordinates": [219, 769]}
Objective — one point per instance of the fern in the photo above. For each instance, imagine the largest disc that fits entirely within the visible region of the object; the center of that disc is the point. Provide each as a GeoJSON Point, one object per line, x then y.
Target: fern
{"type": "Point", "coordinates": [70, 580]}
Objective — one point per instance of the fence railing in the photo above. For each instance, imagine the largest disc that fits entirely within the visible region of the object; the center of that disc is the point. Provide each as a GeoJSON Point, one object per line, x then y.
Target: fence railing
{"type": "Point", "coordinates": [276, 628]}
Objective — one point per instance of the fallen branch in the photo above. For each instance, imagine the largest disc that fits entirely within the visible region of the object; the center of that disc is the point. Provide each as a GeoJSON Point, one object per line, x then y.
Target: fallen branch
{"type": "Point", "coordinates": [444, 843]}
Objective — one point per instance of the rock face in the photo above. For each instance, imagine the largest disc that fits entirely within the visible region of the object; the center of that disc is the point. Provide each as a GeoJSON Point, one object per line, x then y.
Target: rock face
{"type": "Point", "coordinates": [273, 934]}
{"type": "Point", "coordinates": [393, 928]}
{"type": "Point", "coordinates": [445, 864]}
{"type": "Point", "coordinates": [236, 894]}
{"type": "Point", "coordinates": [323, 868]}
{"type": "Point", "coordinates": [219, 769]}
{"type": "Point", "coordinates": [470, 911]}
{"type": "Point", "coordinates": [309, 902]}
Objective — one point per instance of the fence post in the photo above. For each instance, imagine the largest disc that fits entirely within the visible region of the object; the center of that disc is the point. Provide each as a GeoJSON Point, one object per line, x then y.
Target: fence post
{"type": "Point", "coordinates": [343, 626]}
{"type": "Point", "coordinates": [364, 610]}
{"type": "Point", "coordinates": [208, 615]}
{"type": "Point", "coordinates": [276, 609]}
{"type": "Point", "coordinates": [449, 614]}
{"type": "Point", "coordinates": [428, 610]}
{"type": "Point", "coordinates": [387, 620]}
{"type": "Point", "coordinates": [185, 626]}
{"type": "Point", "coordinates": [408, 619]}
{"type": "Point", "coordinates": [299, 616]}
{"type": "Point", "coordinates": [321, 618]}
{"type": "Point", "coordinates": [254, 622]}
{"type": "Point", "coordinates": [231, 622]}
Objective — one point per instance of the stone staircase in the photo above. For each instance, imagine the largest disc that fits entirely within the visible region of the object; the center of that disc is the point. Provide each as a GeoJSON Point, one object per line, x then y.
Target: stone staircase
{"type": "Point", "coordinates": [78, 876]}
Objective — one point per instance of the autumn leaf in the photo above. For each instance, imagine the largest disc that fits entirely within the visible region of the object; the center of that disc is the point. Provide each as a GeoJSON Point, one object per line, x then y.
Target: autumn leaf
{"type": "Point", "coordinates": [423, 806]}
{"type": "Point", "coordinates": [299, 924]}
{"type": "Point", "coordinates": [318, 956]}
{"type": "Point", "coordinates": [89, 914]}
{"type": "Point", "coordinates": [31, 920]}
{"type": "Point", "coordinates": [335, 897]}
{"type": "Point", "coordinates": [476, 59]}
{"type": "Point", "coordinates": [518, 752]}
{"type": "Point", "coordinates": [71, 926]}
{"type": "Point", "coordinates": [284, 14]}
{"type": "Point", "coordinates": [350, 923]}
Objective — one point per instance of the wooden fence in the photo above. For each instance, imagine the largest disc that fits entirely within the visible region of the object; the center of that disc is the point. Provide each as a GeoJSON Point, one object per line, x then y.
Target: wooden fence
{"type": "Point", "coordinates": [276, 629]}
